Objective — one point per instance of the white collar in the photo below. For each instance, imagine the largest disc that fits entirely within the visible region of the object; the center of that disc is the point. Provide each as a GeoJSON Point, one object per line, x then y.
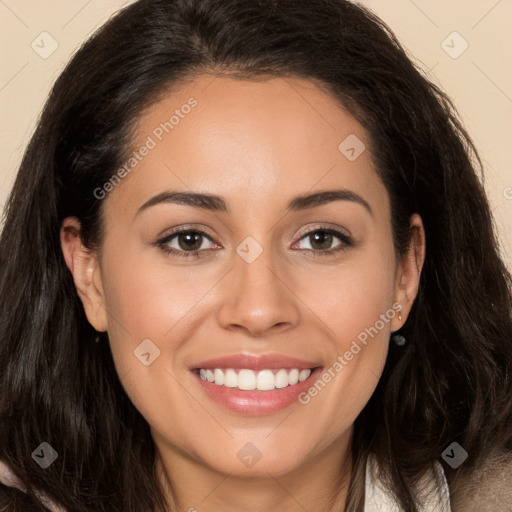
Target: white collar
{"type": "Point", "coordinates": [379, 499]}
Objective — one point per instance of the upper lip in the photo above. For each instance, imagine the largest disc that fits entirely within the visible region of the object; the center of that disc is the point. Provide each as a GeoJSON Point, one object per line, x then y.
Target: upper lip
{"type": "Point", "coordinates": [255, 362]}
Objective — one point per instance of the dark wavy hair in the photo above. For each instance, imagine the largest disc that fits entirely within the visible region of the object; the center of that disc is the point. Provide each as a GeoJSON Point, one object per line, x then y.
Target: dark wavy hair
{"type": "Point", "coordinates": [450, 382]}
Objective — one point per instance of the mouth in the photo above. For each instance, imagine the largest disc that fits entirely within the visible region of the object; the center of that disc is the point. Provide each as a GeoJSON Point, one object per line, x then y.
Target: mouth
{"type": "Point", "coordinates": [247, 380]}
{"type": "Point", "coordinates": [255, 385]}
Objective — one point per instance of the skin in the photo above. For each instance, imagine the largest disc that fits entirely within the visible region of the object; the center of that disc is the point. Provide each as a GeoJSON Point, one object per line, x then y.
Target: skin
{"type": "Point", "coordinates": [258, 145]}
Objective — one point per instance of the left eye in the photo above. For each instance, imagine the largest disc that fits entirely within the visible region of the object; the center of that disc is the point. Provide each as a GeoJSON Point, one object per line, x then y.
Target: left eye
{"type": "Point", "coordinates": [321, 240]}
{"type": "Point", "coordinates": [187, 241]}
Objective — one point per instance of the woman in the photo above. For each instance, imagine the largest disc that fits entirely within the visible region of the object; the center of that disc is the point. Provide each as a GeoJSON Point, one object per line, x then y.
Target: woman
{"type": "Point", "coordinates": [248, 264]}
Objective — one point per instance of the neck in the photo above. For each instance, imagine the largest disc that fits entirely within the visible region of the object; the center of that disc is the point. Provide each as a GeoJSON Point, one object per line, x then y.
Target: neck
{"type": "Point", "coordinates": [320, 483]}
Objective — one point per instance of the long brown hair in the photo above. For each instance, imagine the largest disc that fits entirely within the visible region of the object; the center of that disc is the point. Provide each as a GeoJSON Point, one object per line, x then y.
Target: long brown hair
{"type": "Point", "coordinates": [450, 382]}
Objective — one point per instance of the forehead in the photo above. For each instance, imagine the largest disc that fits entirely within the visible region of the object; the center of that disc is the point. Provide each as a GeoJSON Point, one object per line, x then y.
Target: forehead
{"type": "Point", "coordinates": [250, 141]}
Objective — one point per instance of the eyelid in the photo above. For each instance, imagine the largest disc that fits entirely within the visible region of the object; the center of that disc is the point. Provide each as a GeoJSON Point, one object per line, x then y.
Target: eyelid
{"type": "Point", "coordinates": [342, 234]}
{"type": "Point", "coordinates": [346, 240]}
{"type": "Point", "coordinates": [326, 227]}
{"type": "Point", "coordinates": [185, 228]}
{"type": "Point", "coordinates": [306, 231]}
{"type": "Point", "coordinates": [163, 243]}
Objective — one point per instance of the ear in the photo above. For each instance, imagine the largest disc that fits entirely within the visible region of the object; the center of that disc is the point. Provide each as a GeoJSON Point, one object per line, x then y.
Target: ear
{"type": "Point", "coordinates": [84, 267]}
{"type": "Point", "coordinates": [408, 274]}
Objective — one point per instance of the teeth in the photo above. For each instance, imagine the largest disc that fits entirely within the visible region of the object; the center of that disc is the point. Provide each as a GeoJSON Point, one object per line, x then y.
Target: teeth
{"type": "Point", "coordinates": [281, 379]}
{"type": "Point", "coordinates": [265, 380]}
{"type": "Point", "coordinates": [230, 379]}
{"type": "Point", "coordinates": [247, 380]}
{"type": "Point", "coordinates": [304, 374]}
{"type": "Point", "coordinates": [219, 377]}
{"type": "Point", "coordinates": [293, 377]}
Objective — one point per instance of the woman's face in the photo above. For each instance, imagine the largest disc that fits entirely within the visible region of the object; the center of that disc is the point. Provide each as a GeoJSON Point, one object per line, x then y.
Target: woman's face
{"type": "Point", "coordinates": [268, 278]}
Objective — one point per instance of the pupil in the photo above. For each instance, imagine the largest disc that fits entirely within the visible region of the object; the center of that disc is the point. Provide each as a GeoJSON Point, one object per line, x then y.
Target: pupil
{"type": "Point", "coordinates": [192, 240]}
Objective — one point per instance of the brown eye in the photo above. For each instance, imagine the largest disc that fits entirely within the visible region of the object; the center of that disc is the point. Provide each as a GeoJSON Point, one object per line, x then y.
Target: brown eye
{"type": "Point", "coordinates": [186, 243]}
{"type": "Point", "coordinates": [321, 240]}
{"type": "Point", "coordinates": [189, 240]}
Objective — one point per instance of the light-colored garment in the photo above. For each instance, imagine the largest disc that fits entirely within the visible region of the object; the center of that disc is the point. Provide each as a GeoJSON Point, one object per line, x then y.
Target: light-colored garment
{"type": "Point", "coordinates": [8, 478]}
{"type": "Point", "coordinates": [434, 489]}
{"type": "Point", "coordinates": [377, 498]}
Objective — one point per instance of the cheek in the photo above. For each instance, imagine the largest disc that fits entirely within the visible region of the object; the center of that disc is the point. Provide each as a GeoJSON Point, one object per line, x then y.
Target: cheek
{"type": "Point", "coordinates": [152, 309]}
{"type": "Point", "coordinates": [351, 296]}
{"type": "Point", "coordinates": [146, 318]}
{"type": "Point", "coordinates": [355, 302]}
{"type": "Point", "coordinates": [147, 298]}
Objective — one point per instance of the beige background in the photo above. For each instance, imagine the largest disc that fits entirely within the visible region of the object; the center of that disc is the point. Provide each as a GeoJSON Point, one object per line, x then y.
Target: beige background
{"type": "Point", "coordinates": [479, 79]}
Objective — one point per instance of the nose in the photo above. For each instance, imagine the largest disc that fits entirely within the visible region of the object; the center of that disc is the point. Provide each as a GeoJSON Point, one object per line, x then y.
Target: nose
{"type": "Point", "coordinates": [257, 300]}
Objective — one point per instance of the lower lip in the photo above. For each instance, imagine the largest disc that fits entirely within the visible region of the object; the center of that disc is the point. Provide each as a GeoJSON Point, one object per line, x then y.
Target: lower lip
{"type": "Point", "coordinates": [256, 403]}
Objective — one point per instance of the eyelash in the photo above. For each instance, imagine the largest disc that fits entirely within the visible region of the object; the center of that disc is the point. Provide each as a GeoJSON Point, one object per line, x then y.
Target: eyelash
{"type": "Point", "coordinates": [199, 253]}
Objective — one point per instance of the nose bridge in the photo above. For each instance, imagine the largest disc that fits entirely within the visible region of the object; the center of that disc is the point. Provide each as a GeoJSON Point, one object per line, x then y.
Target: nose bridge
{"type": "Point", "coordinates": [255, 266]}
{"type": "Point", "coordinates": [255, 297]}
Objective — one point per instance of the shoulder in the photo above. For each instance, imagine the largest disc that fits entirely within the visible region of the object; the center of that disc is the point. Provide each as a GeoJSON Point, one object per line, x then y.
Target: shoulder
{"type": "Point", "coordinates": [8, 478]}
{"type": "Point", "coordinates": [488, 487]}
{"type": "Point", "coordinates": [432, 490]}
{"type": "Point", "coordinates": [14, 500]}
{"type": "Point", "coordinates": [13, 496]}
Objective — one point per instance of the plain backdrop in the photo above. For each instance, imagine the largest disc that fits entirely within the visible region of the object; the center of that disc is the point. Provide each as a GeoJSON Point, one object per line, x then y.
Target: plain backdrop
{"type": "Point", "coordinates": [464, 46]}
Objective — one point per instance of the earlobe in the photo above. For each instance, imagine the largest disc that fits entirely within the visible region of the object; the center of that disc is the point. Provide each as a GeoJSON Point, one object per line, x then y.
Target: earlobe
{"type": "Point", "coordinates": [409, 271]}
{"type": "Point", "coordinates": [84, 267]}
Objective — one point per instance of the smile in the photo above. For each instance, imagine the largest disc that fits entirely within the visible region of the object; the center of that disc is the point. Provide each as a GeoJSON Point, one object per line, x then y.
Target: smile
{"type": "Point", "coordinates": [255, 384]}
{"type": "Point", "coordinates": [248, 380]}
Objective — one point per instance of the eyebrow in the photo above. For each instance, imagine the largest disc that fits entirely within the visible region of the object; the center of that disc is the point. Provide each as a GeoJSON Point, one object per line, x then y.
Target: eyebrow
{"type": "Point", "coordinates": [215, 203]}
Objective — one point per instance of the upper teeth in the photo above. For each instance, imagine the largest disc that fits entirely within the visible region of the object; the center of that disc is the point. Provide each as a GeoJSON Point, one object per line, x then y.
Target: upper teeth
{"type": "Point", "coordinates": [263, 380]}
